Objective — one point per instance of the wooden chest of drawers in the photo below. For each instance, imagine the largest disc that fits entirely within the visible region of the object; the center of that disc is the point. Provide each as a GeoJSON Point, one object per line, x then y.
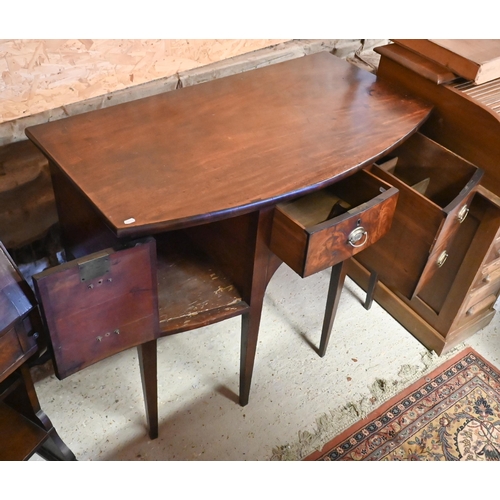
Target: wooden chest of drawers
{"type": "Point", "coordinates": [439, 265]}
{"type": "Point", "coordinates": [24, 427]}
{"type": "Point", "coordinates": [458, 299]}
{"type": "Point", "coordinates": [481, 274]}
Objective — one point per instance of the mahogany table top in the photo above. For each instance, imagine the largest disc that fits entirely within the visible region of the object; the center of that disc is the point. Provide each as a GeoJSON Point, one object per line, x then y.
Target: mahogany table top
{"type": "Point", "coordinates": [229, 146]}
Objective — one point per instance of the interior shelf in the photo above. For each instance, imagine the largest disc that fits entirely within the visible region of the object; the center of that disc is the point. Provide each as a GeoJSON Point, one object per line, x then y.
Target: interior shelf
{"type": "Point", "coordinates": [192, 292]}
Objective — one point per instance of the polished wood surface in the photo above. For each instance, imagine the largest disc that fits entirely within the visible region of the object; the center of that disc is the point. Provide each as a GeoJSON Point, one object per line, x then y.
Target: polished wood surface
{"type": "Point", "coordinates": [458, 122]}
{"type": "Point", "coordinates": [22, 435]}
{"type": "Point", "coordinates": [16, 299]}
{"type": "Point", "coordinates": [100, 305]}
{"type": "Point", "coordinates": [228, 146]}
{"type": "Point", "coordinates": [94, 314]}
{"type": "Point", "coordinates": [417, 63]}
{"type": "Point", "coordinates": [425, 222]}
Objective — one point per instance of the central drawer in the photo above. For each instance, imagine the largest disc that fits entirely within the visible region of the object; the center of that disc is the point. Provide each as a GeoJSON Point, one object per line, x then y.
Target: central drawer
{"type": "Point", "coordinates": [326, 227]}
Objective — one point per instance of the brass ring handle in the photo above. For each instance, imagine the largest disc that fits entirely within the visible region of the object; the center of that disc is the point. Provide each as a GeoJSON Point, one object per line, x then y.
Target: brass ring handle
{"type": "Point", "coordinates": [442, 258]}
{"type": "Point", "coordinates": [462, 214]}
{"type": "Point", "coordinates": [357, 235]}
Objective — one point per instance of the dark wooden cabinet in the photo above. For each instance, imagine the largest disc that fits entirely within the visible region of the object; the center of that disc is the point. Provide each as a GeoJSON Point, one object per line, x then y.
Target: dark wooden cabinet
{"type": "Point", "coordinates": [439, 266]}
{"type": "Point", "coordinates": [24, 428]}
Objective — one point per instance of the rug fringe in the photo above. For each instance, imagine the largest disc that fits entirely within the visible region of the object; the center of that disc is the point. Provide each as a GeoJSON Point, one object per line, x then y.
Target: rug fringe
{"type": "Point", "coordinates": [336, 421]}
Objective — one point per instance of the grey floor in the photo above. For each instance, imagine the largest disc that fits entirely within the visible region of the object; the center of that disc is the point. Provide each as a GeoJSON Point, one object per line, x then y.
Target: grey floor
{"type": "Point", "coordinates": [298, 400]}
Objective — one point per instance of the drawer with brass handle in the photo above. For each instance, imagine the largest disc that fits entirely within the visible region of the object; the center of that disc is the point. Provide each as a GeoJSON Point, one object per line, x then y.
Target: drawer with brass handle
{"type": "Point", "coordinates": [321, 229]}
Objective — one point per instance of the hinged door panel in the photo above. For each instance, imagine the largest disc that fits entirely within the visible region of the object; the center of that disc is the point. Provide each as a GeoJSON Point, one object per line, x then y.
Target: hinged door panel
{"type": "Point", "coordinates": [99, 305]}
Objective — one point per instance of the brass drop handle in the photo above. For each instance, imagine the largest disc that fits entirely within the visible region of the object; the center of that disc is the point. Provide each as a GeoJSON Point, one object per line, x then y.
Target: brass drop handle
{"type": "Point", "coordinates": [356, 235]}
{"type": "Point", "coordinates": [442, 258]}
{"type": "Point", "coordinates": [462, 214]}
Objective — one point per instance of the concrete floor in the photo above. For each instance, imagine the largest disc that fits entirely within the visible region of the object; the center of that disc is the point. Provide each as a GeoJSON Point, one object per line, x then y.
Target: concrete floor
{"type": "Point", "coordinates": [298, 400]}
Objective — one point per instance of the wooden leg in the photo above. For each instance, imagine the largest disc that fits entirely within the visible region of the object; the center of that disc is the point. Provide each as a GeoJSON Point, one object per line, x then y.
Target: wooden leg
{"type": "Point", "coordinates": [335, 289]}
{"type": "Point", "coordinates": [370, 292]}
{"type": "Point", "coordinates": [264, 265]}
{"type": "Point", "coordinates": [250, 323]}
{"type": "Point", "coordinates": [25, 400]}
{"type": "Point", "coordinates": [148, 364]}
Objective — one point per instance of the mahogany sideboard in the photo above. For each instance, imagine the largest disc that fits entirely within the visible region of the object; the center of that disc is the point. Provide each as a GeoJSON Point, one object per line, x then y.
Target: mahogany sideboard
{"type": "Point", "coordinates": [203, 168]}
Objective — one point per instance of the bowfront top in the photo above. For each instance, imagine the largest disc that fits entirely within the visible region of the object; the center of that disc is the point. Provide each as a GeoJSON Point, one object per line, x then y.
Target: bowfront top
{"type": "Point", "coordinates": [231, 145]}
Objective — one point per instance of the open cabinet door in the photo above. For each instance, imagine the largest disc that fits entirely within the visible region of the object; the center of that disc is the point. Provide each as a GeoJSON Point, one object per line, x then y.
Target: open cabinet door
{"type": "Point", "coordinates": [99, 305]}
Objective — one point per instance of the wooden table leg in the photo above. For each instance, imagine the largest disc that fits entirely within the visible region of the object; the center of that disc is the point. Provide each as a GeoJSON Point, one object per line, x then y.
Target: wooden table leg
{"type": "Point", "coordinates": [264, 265]}
{"type": "Point", "coordinates": [25, 400]}
{"type": "Point", "coordinates": [250, 323]}
{"type": "Point", "coordinates": [370, 292]}
{"type": "Point", "coordinates": [337, 279]}
{"type": "Point", "coordinates": [148, 363]}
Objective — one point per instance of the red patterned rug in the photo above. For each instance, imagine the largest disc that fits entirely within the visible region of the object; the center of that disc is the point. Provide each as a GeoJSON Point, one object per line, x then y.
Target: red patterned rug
{"type": "Point", "coordinates": [451, 414]}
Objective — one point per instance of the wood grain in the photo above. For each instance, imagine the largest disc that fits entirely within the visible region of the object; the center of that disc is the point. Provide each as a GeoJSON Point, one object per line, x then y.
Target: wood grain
{"type": "Point", "coordinates": [229, 146]}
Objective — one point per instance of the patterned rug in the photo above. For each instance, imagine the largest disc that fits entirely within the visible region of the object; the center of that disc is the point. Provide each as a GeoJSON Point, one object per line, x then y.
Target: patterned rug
{"type": "Point", "coordinates": [452, 414]}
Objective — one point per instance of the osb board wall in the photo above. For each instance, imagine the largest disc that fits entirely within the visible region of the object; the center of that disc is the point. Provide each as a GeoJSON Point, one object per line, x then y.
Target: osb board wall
{"type": "Point", "coordinates": [38, 75]}
{"type": "Point", "coordinates": [46, 80]}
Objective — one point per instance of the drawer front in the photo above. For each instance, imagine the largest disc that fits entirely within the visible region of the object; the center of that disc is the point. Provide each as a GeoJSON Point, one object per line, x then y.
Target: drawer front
{"type": "Point", "coordinates": [436, 189]}
{"type": "Point", "coordinates": [443, 244]}
{"type": "Point", "coordinates": [480, 293]}
{"type": "Point", "coordinates": [329, 246]}
{"type": "Point", "coordinates": [489, 274]}
{"type": "Point", "coordinates": [483, 293]}
{"type": "Point", "coordinates": [308, 250]}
